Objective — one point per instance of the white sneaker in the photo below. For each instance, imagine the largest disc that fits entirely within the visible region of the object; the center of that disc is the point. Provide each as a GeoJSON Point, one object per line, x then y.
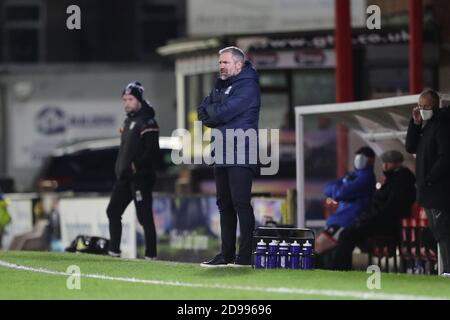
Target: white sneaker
{"type": "Point", "coordinates": [114, 254]}
{"type": "Point", "coordinates": [445, 275]}
{"type": "Point", "coordinates": [150, 258]}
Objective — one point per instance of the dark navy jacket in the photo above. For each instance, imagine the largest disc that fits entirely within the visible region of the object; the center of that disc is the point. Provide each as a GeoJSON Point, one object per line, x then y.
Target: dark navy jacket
{"type": "Point", "coordinates": [354, 193]}
{"type": "Point", "coordinates": [391, 203]}
{"type": "Point", "coordinates": [234, 103]}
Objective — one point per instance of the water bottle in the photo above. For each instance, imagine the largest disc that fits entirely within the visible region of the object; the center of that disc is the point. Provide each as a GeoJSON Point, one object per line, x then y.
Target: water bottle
{"type": "Point", "coordinates": [283, 255]}
{"type": "Point", "coordinates": [273, 254]}
{"type": "Point", "coordinates": [260, 255]}
{"type": "Point", "coordinates": [295, 255]}
{"type": "Point", "coordinates": [307, 262]}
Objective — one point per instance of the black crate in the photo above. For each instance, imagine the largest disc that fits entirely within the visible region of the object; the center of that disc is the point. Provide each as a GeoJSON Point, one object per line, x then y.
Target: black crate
{"type": "Point", "coordinates": [288, 234]}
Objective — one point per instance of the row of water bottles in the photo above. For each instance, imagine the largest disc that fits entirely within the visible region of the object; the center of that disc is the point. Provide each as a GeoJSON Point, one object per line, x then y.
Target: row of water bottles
{"type": "Point", "coordinates": [284, 255]}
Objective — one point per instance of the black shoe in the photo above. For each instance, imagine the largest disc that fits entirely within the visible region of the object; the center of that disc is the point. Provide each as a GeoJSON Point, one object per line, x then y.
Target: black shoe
{"type": "Point", "coordinates": [216, 262]}
{"type": "Point", "coordinates": [241, 262]}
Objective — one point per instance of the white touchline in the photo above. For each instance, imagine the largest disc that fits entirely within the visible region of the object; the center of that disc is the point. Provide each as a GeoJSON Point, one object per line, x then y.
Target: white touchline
{"type": "Point", "coordinates": [317, 292]}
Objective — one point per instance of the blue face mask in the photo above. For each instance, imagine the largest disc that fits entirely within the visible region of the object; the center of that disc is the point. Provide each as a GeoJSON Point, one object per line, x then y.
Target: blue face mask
{"type": "Point", "coordinates": [360, 161]}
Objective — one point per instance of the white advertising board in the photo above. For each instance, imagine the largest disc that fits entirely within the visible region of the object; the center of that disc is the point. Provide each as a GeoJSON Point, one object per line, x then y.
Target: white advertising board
{"type": "Point", "coordinates": [38, 127]}
{"type": "Point", "coordinates": [20, 210]}
{"type": "Point", "coordinates": [88, 217]}
{"type": "Point", "coordinates": [217, 17]}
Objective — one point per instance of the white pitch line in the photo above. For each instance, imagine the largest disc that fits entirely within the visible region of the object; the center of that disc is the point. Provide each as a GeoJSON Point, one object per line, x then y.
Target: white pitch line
{"type": "Point", "coordinates": [299, 291]}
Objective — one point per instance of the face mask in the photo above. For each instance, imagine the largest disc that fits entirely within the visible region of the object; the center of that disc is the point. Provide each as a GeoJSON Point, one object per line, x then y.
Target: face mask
{"type": "Point", "coordinates": [426, 114]}
{"type": "Point", "coordinates": [390, 172]}
{"type": "Point", "coordinates": [360, 161]}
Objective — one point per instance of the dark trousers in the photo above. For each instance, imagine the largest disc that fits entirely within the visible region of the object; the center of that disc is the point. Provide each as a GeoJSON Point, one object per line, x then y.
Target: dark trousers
{"type": "Point", "coordinates": [439, 222]}
{"type": "Point", "coordinates": [358, 235]}
{"type": "Point", "coordinates": [234, 186]}
{"type": "Point", "coordinates": [139, 189]}
{"type": "Point", "coordinates": [348, 240]}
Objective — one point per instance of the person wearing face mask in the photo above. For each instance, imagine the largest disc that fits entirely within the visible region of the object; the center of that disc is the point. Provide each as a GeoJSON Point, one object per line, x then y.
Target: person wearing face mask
{"type": "Point", "coordinates": [354, 193]}
{"type": "Point", "coordinates": [391, 203]}
{"type": "Point", "coordinates": [428, 137]}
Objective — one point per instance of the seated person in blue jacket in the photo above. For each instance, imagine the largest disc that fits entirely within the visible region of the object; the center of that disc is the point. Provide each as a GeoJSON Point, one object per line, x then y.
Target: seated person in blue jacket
{"type": "Point", "coordinates": [354, 194]}
{"type": "Point", "coordinates": [391, 203]}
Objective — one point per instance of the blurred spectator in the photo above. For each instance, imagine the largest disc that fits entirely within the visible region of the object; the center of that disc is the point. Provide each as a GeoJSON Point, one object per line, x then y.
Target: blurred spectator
{"type": "Point", "coordinates": [391, 203]}
{"type": "Point", "coordinates": [5, 218]}
{"type": "Point", "coordinates": [428, 137]}
{"type": "Point", "coordinates": [354, 193]}
{"type": "Point", "coordinates": [136, 165]}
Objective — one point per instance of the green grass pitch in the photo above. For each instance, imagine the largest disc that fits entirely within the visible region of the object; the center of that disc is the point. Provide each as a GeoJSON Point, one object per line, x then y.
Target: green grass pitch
{"type": "Point", "coordinates": [43, 275]}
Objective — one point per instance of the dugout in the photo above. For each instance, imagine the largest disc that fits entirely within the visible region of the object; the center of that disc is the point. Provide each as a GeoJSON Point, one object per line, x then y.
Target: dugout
{"type": "Point", "coordinates": [379, 123]}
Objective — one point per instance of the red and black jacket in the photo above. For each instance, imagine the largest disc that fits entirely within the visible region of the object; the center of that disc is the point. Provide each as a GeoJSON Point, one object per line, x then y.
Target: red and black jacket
{"type": "Point", "coordinates": [139, 152]}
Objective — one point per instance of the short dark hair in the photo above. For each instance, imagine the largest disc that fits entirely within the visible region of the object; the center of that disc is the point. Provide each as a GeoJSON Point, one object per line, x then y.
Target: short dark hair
{"type": "Point", "coordinates": [434, 96]}
{"type": "Point", "coordinates": [238, 54]}
{"type": "Point", "coordinates": [367, 151]}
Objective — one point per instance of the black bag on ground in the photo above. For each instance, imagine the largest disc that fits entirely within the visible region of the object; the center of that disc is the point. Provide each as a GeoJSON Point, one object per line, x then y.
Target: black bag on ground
{"type": "Point", "coordinates": [87, 244]}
